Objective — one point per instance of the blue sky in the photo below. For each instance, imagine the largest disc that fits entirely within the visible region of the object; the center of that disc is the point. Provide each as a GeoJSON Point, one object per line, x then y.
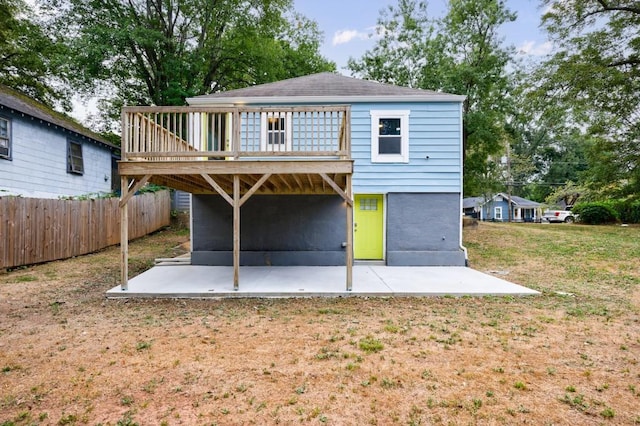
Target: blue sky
{"type": "Point", "coordinates": [348, 24]}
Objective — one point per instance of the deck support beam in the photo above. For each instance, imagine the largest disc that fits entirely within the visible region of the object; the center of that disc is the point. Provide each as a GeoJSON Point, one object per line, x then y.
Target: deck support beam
{"type": "Point", "coordinates": [236, 202]}
{"type": "Point", "coordinates": [124, 233]}
{"type": "Point", "coordinates": [124, 199]}
{"type": "Point", "coordinates": [217, 187]}
{"type": "Point", "coordinates": [344, 194]}
{"type": "Point", "coordinates": [236, 231]}
{"type": "Point", "coordinates": [125, 195]}
{"type": "Point", "coordinates": [349, 248]}
{"type": "Point", "coordinates": [254, 188]}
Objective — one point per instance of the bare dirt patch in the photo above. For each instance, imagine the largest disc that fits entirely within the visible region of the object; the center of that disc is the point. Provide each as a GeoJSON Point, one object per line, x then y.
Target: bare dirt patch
{"type": "Point", "coordinates": [68, 356]}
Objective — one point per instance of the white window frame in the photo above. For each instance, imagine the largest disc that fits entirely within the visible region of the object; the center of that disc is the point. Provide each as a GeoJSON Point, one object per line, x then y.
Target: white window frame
{"type": "Point", "coordinates": [497, 213]}
{"type": "Point", "coordinates": [264, 131]}
{"type": "Point", "coordinates": [376, 156]}
{"type": "Point", "coordinates": [6, 139]}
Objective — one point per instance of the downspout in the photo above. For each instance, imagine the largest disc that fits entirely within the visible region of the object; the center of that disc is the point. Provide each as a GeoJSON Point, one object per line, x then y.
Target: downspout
{"type": "Point", "coordinates": [460, 210]}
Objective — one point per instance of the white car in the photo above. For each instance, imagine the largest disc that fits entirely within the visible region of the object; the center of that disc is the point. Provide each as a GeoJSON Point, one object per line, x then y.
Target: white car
{"type": "Point", "coordinates": [559, 216]}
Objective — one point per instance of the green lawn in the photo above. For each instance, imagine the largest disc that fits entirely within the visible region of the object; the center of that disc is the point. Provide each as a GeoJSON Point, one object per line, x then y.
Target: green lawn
{"type": "Point", "coordinates": [600, 265]}
{"type": "Point", "coordinates": [569, 356]}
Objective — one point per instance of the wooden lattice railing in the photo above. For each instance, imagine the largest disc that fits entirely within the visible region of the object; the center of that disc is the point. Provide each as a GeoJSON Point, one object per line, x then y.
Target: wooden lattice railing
{"type": "Point", "coordinates": [199, 133]}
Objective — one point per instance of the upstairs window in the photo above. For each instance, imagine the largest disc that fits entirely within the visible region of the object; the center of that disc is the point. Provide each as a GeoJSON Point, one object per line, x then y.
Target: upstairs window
{"type": "Point", "coordinates": [276, 134]}
{"type": "Point", "coordinates": [276, 131]}
{"type": "Point", "coordinates": [75, 163]}
{"type": "Point", "coordinates": [390, 136]}
{"type": "Point", "coordinates": [5, 138]}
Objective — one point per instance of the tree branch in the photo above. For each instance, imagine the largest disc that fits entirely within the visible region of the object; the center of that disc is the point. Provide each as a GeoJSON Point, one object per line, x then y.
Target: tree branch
{"type": "Point", "coordinates": [606, 8]}
{"type": "Point", "coordinates": [633, 61]}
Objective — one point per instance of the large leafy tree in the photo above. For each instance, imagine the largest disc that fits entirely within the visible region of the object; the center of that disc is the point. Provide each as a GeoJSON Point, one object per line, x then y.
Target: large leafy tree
{"type": "Point", "coordinates": [398, 56]}
{"type": "Point", "coordinates": [541, 158]}
{"type": "Point", "coordinates": [461, 53]}
{"type": "Point", "coordinates": [28, 58]}
{"type": "Point", "coordinates": [591, 84]}
{"type": "Point", "coordinates": [162, 51]}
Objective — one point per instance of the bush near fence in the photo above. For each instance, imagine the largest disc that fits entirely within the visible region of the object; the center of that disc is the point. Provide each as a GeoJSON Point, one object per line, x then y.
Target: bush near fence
{"type": "Point", "coordinates": [595, 213]}
{"type": "Point", "coordinates": [34, 230]}
{"type": "Point", "coordinates": [609, 211]}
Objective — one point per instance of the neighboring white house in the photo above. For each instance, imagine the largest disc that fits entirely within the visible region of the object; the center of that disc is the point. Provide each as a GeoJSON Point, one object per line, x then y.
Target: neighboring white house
{"type": "Point", "coordinates": [45, 154]}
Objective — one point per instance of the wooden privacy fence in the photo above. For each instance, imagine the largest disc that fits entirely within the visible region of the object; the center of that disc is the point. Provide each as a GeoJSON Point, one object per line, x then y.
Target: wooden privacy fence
{"type": "Point", "coordinates": [34, 230]}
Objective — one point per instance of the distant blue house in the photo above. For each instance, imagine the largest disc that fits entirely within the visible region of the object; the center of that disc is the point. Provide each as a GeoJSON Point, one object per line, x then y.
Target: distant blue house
{"type": "Point", "coordinates": [45, 154]}
{"type": "Point", "coordinates": [499, 209]}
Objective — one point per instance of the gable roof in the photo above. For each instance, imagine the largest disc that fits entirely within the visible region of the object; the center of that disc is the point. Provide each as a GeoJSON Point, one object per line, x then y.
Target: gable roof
{"type": "Point", "coordinates": [521, 202]}
{"type": "Point", "coordinates": [324, 87]}
{"type": "Point", "coordinates": [16, 101]}
{"type": "Point", "coordinates": [471, 202]}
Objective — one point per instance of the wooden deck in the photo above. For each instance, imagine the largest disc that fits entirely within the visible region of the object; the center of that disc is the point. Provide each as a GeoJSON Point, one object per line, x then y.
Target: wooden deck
{"type": "Point", "coordinates": [237, 152]}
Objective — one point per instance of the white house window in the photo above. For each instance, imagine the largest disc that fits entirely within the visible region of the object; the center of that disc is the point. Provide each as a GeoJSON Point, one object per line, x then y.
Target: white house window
{"type": "Point", "coordinates": [5, 138]}
{"type": "Point", "coordinates": [390, 136]}
{"type": "Point", "coordinates": [276, 131]}
{"type": "Point", "coordinates": [74, 158]}
{"type": "Point", "coordinates": [497, 213]}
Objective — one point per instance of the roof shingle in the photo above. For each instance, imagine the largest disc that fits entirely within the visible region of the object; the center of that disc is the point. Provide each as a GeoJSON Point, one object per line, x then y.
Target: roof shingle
{"type": "Point", "coordinates": [324, 85]}
{"type": "Point", "coordinates": [17, 101]}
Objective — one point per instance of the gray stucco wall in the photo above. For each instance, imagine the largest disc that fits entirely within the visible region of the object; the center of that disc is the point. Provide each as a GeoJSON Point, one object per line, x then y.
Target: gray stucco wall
{"type": "Point", "coordinates": [424, 230]}
{"type": "Point", "coordinates": [274, 230]}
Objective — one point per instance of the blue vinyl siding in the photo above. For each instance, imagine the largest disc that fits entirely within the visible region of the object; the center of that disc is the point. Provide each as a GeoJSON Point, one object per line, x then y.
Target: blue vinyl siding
{"type": "Point", "coordinates": [489, 210]}
{"type": "Point", "coordinates": [434, 131]}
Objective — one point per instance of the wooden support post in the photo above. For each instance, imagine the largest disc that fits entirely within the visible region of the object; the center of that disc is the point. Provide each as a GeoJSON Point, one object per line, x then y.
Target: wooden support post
{"type": "Point", "coordinates": [124, 234]}
{"type": "Point", "coordinates": [349, 248]}
{"type": "Point", "coordinates": [124, 198]}
{"type": "Point", "coordinates": [236, 231]}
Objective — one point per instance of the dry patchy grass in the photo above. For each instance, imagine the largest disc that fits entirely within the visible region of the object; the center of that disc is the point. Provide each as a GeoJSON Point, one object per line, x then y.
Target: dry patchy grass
{"type": "Point", "coordinates": [68, 356]}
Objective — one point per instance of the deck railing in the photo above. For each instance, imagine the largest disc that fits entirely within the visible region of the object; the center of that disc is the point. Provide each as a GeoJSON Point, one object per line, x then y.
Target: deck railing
{"type": "Point", "coordinates": [208, 133]}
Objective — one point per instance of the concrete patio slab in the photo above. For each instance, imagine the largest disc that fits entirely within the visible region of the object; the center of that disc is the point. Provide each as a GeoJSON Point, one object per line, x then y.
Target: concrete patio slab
{"type": "Point", "coordinates": [190, 281]}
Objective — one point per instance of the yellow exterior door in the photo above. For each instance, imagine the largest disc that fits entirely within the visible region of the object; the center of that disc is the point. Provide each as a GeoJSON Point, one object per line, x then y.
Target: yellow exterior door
{"type": "Point", "coordinates": [367, 227]}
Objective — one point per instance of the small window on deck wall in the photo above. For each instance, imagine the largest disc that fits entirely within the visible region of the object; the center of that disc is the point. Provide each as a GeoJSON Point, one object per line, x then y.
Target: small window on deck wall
{"type": "Point", "coordinates": [276, 131]}
{"type": "Point", "coordinates": [389, 136]}
{"type": "Point", "coordinates": [5, 138]}
{"type": "Point", "coordinates": [75, 162]}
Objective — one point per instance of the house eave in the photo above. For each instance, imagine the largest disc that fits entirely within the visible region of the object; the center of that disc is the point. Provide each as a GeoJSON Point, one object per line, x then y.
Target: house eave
{"type": "Point", "coordinates": [15, 102]}
{"type": "Point", "coordinates": [209, 101]}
